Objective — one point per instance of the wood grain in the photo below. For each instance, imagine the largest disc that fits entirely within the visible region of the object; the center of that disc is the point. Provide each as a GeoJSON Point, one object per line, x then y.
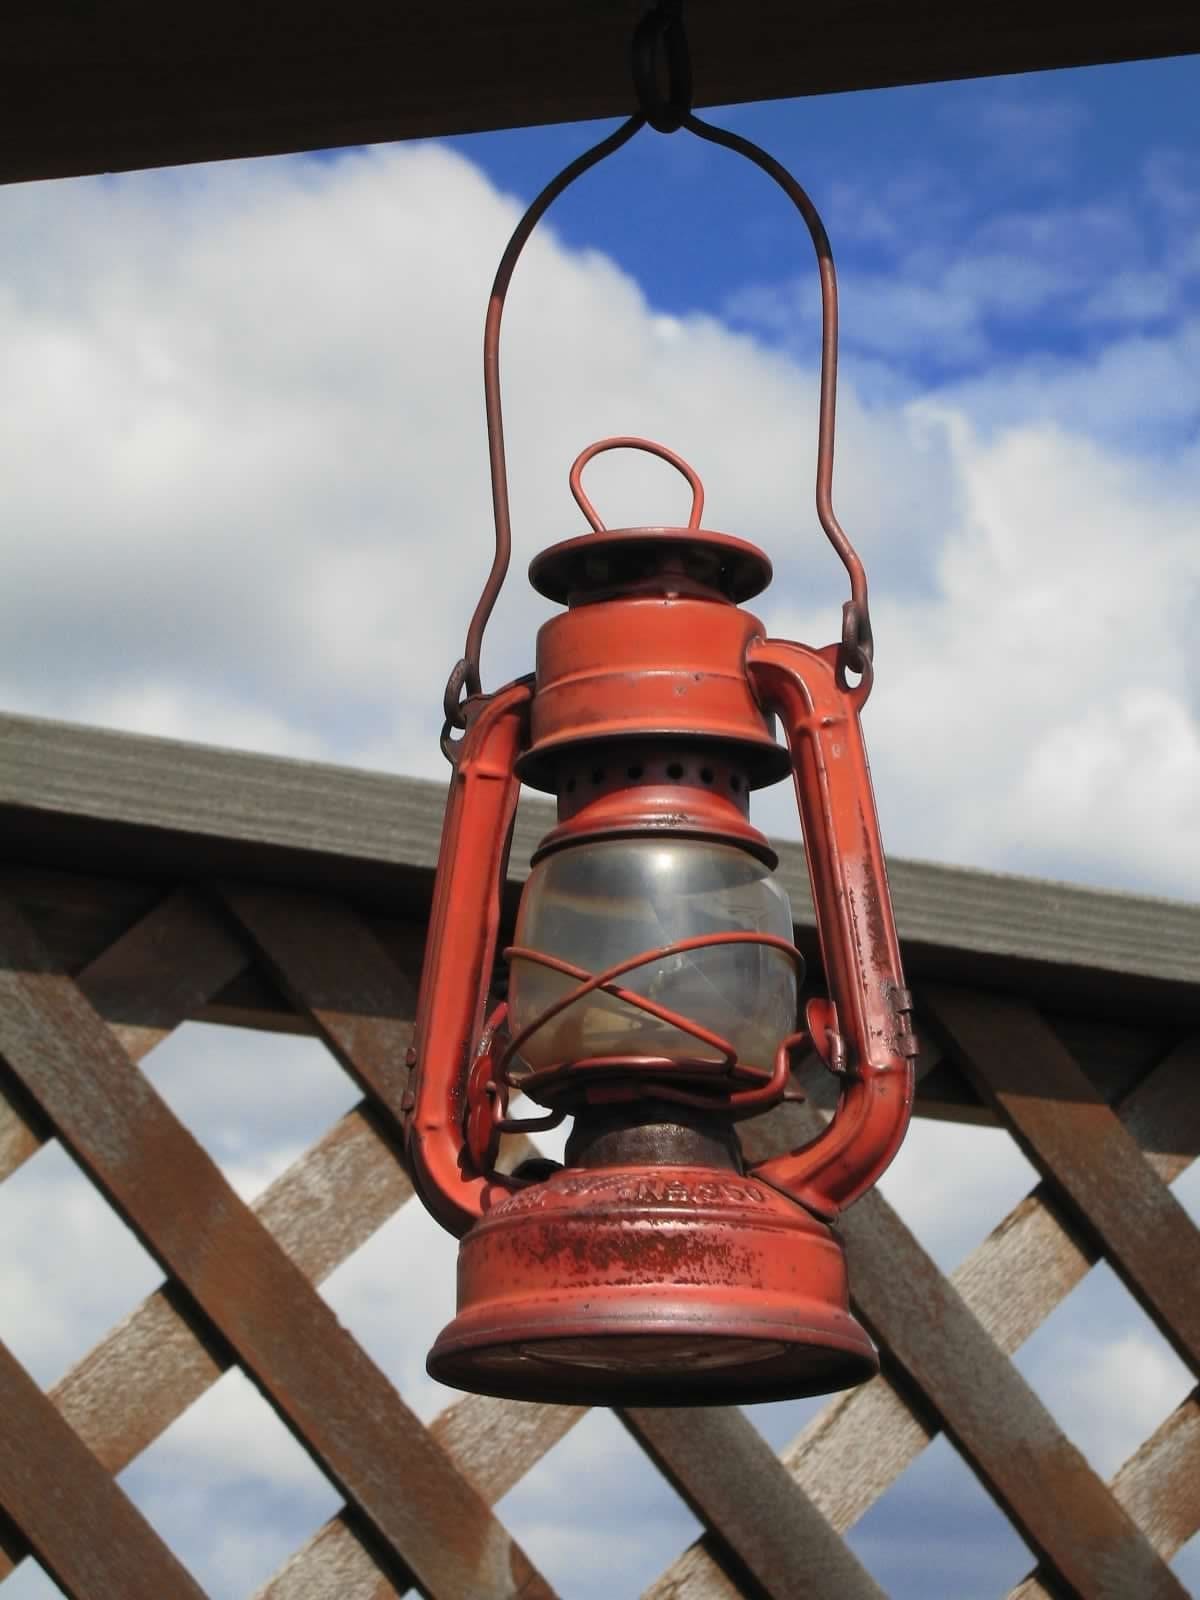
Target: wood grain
{"type": "Point", "coordinates": [86, 1532]}
{"type": "Point", "coordinates": [88, 92]}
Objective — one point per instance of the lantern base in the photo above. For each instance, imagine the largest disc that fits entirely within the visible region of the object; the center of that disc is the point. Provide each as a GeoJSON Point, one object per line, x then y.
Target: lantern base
{"type": "Point", "coordinates": [664, 1285]}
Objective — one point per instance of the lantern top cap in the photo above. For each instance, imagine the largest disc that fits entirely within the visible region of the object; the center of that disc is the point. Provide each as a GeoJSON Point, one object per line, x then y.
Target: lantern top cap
{"type": "Point", "coordinates": [690, 560]}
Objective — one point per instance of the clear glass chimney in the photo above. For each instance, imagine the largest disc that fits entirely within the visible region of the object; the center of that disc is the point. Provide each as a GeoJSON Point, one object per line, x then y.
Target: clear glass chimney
{"type": "Point", "coordinates": [596, 904]}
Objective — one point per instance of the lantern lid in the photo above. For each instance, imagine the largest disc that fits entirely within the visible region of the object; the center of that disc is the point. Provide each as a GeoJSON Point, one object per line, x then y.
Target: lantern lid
{"type": "Point", "coordinates": [693, 560]}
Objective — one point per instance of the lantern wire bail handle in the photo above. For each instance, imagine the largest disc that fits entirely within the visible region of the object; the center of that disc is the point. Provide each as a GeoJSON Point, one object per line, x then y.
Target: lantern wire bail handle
{"type": "Point", "coordinates": [661, 27]}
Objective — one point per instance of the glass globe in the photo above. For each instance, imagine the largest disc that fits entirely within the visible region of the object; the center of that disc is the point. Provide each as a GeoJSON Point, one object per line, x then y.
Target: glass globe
{"type": "Point", "coordinates": [597, 904]}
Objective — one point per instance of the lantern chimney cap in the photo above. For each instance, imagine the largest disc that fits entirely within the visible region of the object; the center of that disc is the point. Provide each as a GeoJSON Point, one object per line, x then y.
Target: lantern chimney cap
{"type": "Point", "coordinates": [688, 560]}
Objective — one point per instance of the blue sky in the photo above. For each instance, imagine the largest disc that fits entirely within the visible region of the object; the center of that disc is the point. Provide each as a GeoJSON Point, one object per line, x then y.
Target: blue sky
{"type": "Point", "coordinates": [246, 503]}
{"type": "Point", "coordinates": [1076, 177]}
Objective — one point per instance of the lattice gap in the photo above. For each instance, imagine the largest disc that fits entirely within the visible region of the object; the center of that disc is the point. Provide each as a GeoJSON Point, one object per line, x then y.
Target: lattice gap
{"type": "Point", "coordinates": [69, 1267]}
{"type": "Point", "coordinates": [395, 1294]}
{"type": "Point", "coordinates": [31, 1582]}
{"type": "Point", "coordinates": [230, 1490]}
{"type": "Point", "coordinates": [953, 1182]}
{"type": "Point", "coordinates": [1187, 1191]}
{"type": "Point", "coordinates": [1103, 1369]}
{"type": "Point", "coordinates": [1187, 1564]}
{"type": "Point", "coordinates": [937, 1532]}
{"type": "Point", "coordinates": [781, 1422]}
{"type": "Point", "coordinates": [256, 1101]}
{"type": "Point", "coordinates": [596, 1515]}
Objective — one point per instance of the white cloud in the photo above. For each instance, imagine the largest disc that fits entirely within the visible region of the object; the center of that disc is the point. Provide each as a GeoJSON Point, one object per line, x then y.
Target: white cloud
{"type": "Point", "coordinates": [1037, 712]}
{"type": "Point", "coordinates": [245, 473]}
{"type": "Point", "coordinates": [1136, 396]}
{"type": "Point", "coordinates": [247, 500]}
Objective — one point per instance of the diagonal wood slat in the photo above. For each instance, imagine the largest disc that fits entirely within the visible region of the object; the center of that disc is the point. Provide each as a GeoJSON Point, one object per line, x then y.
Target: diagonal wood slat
{"type": "Point", "coordinates": [164, 970]}
{"type": "Point", "coordinates": [864, 1439]}
{"type": "Point", "coordinates": [324, 1387]}
{"type": "Point", "coordinates": [161, 971]}
{"type": "Point", "coordinates": [1058, 1503]}
{"type": "Point", "coordinates": [1158, 1485]}
{"type": "Point", "coordinates": [331, 1200]}
{"type": "Point", "coordinates": [1080, 1146]}
{"type": "Point", "coordinates": [86, 1532]}
{"type": "Point", "coordinates": [20, 1138]}
{"type": "Point", "coordinates": [321, 1209]}
{"type": "Point", "coordinates": [493, 1442]}
{"type": "Point", "coordinates": [332, 967]}
{"type": "Point", "coordinates": [335, 1564]}
{"type": "Point", "coordinates": [736, 1484]}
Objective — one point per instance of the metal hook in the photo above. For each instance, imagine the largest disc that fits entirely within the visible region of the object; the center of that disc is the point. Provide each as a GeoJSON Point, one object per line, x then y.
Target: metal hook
{"type": "Point", "coordinates": [663, 25]}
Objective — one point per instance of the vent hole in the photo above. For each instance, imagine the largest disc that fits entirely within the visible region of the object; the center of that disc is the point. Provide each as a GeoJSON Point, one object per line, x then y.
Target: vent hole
{"type": "Point", "coordinates": [570, 785]}
{"type": "Point", "coordinates": [634, 772]}
{"type": "Point", "coordinates": [675, 771]}
{"type": "Point", "coordinates": [735, 783]}
{"type": "Point", "coordinates": [597, 774]}
{"type": "Point", "coordinates": [706, 774]}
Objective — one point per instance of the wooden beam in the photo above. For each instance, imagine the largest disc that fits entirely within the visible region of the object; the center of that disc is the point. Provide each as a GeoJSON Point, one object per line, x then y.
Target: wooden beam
{"type": "Point", "coordinates": [86, 87]}
{"type": "Point", "coordinates": [88, 801]}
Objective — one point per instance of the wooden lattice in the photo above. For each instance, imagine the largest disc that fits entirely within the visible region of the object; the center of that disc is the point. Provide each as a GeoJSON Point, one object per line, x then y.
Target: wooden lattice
{"type": "Point", "coordinates": [85, 996]}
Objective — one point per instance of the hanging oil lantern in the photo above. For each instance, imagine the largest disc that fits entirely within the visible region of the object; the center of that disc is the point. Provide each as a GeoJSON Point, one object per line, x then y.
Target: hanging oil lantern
{"type": "Point", "coordinates": [654, 987]}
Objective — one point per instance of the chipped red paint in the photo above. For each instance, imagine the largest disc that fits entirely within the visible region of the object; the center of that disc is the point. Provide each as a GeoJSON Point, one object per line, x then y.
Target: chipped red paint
{"type": "Point", "coordinates": [659, 1286]}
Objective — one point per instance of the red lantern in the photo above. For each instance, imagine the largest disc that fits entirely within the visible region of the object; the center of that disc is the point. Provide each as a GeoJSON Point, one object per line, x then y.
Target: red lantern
{"type": "Point", "coordinates": [654, 987]}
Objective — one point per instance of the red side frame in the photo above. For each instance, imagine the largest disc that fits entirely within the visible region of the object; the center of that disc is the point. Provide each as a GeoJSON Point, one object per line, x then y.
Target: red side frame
{"type": "Point", "coordinates": [864, 1029]}
{"type": "Point", "coordinates": [464, 927]}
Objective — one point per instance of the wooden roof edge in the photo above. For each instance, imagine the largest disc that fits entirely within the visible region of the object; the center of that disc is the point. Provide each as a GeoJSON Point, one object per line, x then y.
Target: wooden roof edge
{"type": "Point", "coordinates": [90, 799]}
{"type": "Point", "coordinates": [96, 89]}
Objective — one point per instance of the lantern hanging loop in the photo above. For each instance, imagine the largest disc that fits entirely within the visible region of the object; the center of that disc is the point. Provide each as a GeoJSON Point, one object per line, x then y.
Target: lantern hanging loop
{"type": "Point", "coordinates": [628, 442]}
{"type": "Point", "coordinates": [663, 25]}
